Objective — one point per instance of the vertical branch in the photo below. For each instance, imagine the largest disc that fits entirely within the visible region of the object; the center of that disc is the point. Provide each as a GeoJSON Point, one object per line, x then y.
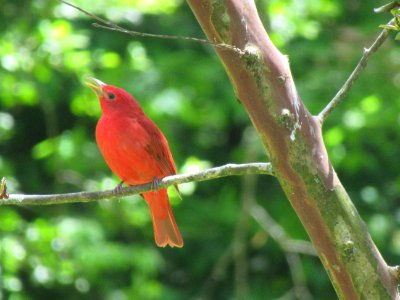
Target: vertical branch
{"type": "Point", "coordinates": [247, 199]}
{"type": "Point", "coordinates": [218, 273]}
{"type": "Point", "coordinates": [296, 270]}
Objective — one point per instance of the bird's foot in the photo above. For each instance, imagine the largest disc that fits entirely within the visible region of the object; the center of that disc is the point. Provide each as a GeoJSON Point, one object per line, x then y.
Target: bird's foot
{"type": "Point", "coordinates": [154, 184]}
{"type": "Point", "coordinates": [118, 188]}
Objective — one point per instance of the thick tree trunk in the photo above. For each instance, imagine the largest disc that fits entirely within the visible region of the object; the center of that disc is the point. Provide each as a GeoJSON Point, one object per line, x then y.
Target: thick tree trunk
{"type": "Point", "coordinates": [292, 137]}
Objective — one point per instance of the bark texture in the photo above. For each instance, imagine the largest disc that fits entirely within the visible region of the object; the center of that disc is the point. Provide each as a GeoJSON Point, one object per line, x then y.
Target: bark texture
{"type": "Point", "coordinates": [292, 138]}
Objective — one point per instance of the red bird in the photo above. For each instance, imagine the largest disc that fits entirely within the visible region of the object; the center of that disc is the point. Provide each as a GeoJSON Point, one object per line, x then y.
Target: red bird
{"type": "Point", "coordinates": [137, 152]}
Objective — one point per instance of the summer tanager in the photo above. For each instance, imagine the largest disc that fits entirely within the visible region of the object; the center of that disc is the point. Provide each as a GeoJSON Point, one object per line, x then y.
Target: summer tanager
{"type": "Point", "coordinates": [137, 152]}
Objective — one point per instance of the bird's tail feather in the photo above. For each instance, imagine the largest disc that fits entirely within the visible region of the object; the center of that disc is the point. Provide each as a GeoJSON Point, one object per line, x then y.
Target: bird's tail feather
{"type": "Point", "coordinates": [166, 231]}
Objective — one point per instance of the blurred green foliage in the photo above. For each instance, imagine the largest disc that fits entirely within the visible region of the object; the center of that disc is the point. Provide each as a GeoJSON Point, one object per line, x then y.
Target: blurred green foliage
{"type": "Point", "coordinates": [105, 250]}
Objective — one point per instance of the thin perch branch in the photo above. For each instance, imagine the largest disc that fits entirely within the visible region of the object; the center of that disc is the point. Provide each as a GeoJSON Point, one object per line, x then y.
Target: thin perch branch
{"type": "Point", "coordinates": [114, 27]}
{"type": "Point", "coordinates": [218, 172]}
{"type": "Point", "coordinates": [341, 94]}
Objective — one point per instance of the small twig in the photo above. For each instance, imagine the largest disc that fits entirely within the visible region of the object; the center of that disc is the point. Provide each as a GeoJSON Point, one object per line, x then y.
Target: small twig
{"type": "Point", "coordinates": [114, 27]}
{"type": "Point", "coordinates": [387, 7]}
{"type": "Point", "coordinates": [223, 171]}
{"type": "Point", "coordinates": [279, 235]}
{"type": "Point", "coordinates": [341, 94]}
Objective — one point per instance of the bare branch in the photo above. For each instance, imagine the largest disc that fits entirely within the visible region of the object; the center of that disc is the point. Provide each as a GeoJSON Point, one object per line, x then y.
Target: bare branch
{"type": "Point", "coordinates": [114, 27]}
{"type": "Point", "coordinates": [279, 235]}
{"type": "Point", "coordinates": [218, 172]}
{"type": "Point", "coordinates": [292, 249]}
{"type": "Point", "coordinates": [344, 90]}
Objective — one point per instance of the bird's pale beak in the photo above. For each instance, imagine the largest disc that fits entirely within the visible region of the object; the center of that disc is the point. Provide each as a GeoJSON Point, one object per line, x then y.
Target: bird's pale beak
{"type": "Point", "coordinates": [96, 85]}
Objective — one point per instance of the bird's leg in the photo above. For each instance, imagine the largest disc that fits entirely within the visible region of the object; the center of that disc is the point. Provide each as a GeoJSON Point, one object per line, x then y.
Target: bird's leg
{"type": "Point", "coordinates": [118, 188]}
{"type": "Point", "coordinates": [155, 183]}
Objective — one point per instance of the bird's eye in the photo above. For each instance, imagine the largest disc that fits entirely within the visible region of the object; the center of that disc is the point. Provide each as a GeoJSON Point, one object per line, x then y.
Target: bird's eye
{"type": "Point", "coordinates": [111, 96]}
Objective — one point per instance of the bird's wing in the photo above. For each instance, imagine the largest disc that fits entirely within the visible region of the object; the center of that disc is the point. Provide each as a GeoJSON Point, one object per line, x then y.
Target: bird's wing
{"type": "Point", "coordinates": [157, 147]}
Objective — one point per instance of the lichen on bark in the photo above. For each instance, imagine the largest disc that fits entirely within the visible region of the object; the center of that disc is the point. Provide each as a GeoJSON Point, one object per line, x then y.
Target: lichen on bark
{"type": "Point", "coordinates": [221, 20]}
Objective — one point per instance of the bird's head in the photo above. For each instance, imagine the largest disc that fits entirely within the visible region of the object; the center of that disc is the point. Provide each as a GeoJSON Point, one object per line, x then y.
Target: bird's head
{"type": "Point", "coordinates": [112, 99]}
